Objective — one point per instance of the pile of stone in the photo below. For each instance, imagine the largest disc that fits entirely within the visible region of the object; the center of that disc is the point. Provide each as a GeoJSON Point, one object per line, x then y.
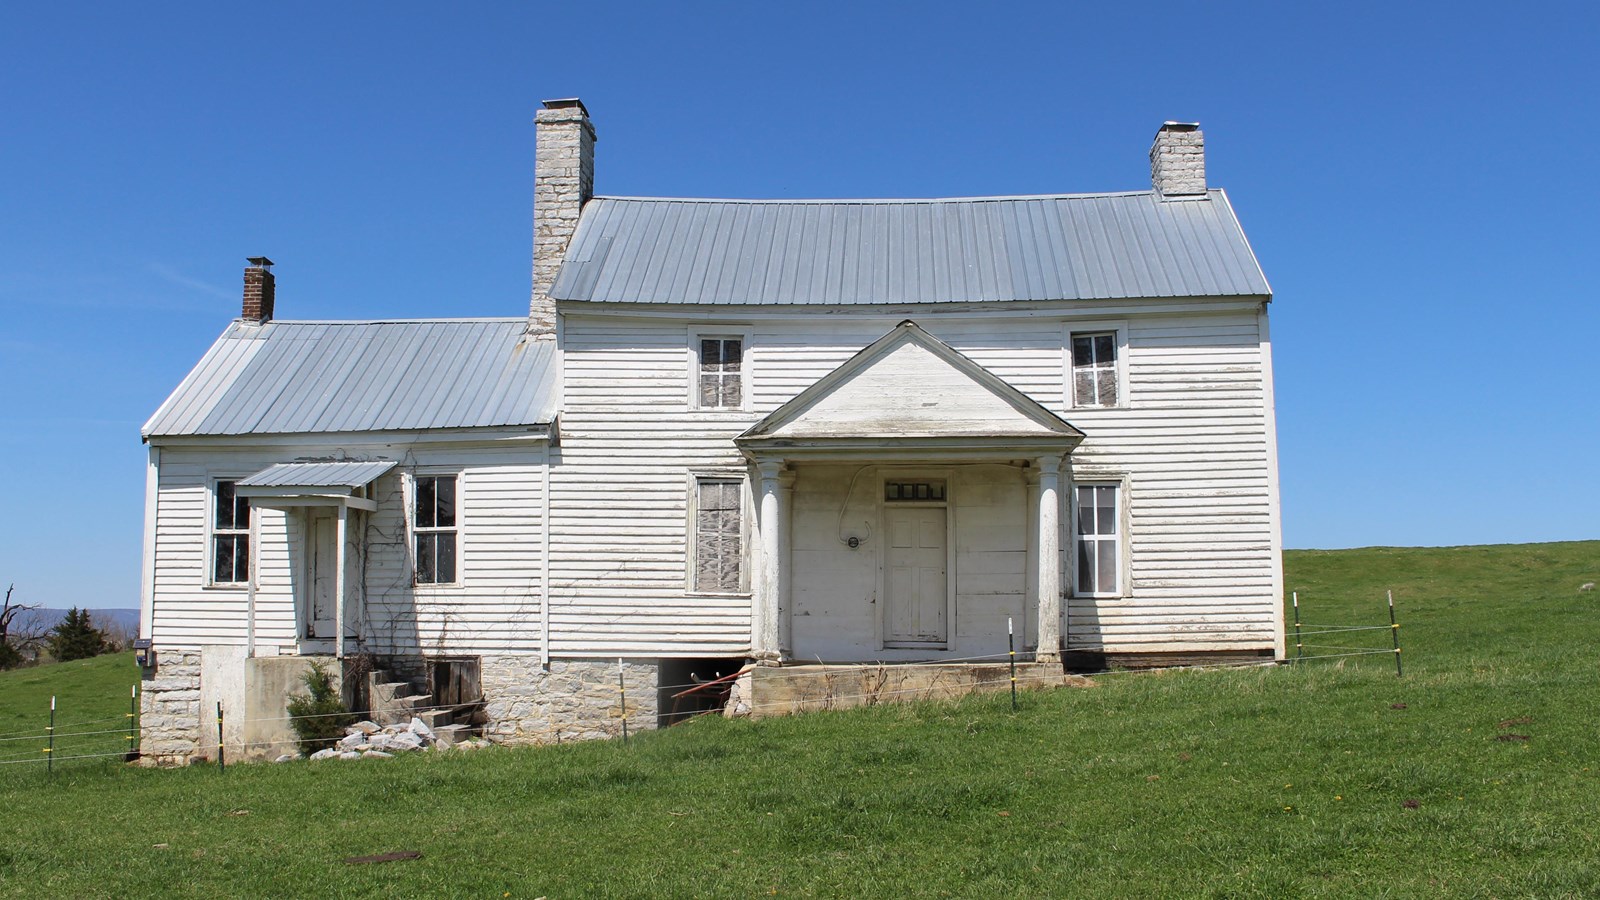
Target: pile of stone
{"type": "Point", "coordinates": [369, 739]}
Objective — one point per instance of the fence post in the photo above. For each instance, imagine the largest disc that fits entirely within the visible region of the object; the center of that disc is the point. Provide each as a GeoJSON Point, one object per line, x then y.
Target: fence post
{"type": "Point", "coordinates": [1299, 647]}
{"type": "Point", "coordinates": [622, 690]}
{"type": "Point", "coordinates": [1011, 651]}
{"type": "Point", "coordinates": [1394, 631]}
{"type": "Point", "coordinates": [50, 751]}
{"type": "Point", "coordinates": [133, 727]}
{"type": "Point", "coordinates": [222, 753]}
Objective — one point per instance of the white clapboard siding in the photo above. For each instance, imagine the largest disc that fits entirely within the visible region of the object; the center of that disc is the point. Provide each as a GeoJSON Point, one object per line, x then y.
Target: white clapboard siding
{"type": "Point", "coordinates": [1190, 441]}
{"type": "Point", "coordinates": [496, 608]}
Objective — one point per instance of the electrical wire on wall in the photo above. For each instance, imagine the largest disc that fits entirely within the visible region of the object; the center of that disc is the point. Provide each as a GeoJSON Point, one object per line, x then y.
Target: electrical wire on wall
{"type": "Point", "coordinates": [845, 506]}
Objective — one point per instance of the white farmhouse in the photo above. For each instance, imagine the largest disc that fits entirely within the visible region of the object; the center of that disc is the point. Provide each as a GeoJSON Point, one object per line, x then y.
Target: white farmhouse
{"type": "Point", "coordinates": [729, 432]}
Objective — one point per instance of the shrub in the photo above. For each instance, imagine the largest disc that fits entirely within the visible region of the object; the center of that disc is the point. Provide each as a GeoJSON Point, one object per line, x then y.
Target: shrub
{"type": "Point", "coordinates": [318, 717]}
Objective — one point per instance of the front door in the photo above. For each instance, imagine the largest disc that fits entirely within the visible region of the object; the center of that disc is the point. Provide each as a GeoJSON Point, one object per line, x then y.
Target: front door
{"type": "Point", "coordinates": [916, 580]}
{"type": "Point", "coordinates": [322, 559]}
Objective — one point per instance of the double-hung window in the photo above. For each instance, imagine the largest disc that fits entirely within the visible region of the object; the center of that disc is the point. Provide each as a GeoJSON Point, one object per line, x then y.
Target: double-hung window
{"type": "Point", "coordinates": [230, 536]}
{"type": "Point", "coordinates": [1094, 369]}
{"type": "Point", "coordinates": [1097, 531]}
{"type": "Point", "coordinates": [435, 535]}
{"type": "Point", "coordinates": [720, 371]}
{"type": "Point", "coordinates": [718, 536]}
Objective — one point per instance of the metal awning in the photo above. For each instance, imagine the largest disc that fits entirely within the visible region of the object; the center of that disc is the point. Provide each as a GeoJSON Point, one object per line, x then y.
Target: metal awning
{"type": "Point", "coordinates": [313, 483]}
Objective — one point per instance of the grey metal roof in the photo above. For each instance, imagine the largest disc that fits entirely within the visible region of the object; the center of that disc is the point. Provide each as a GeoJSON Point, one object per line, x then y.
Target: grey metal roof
{"type": "Point", "coordinates": [324, 473]}
{"type": "Point", "coordinates": [1069, 247]}
{"type": "Point", "coordinates": [301, 377]}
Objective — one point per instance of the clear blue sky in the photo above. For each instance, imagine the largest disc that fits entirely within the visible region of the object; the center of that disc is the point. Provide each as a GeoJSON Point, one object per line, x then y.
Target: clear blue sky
{"type": "Point", "coordinates": [1419, 181]}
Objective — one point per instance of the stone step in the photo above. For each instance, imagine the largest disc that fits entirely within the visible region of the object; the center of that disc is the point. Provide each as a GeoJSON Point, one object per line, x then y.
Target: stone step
{"type": "Point", "coordinates": [450, 735]}
{"type": "Point", "coordinates": [435, 718]}
{"type": "Point", "coordinates": [383, 693]}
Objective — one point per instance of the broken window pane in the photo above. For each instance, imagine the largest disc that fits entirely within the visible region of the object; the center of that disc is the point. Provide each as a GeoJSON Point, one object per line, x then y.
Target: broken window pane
{"type": "Point", "coordinates": [719, 537]}
{"type": "Point", "coordinates": [721, 384]}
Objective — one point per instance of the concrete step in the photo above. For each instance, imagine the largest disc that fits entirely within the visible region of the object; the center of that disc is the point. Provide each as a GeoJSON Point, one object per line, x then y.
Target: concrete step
{"type": "Point", "coordinates": [384, 693]}
{"type": "Point", "coordinates": [450, 735]}
{"type": "Point", "coordinates": [435, 718]}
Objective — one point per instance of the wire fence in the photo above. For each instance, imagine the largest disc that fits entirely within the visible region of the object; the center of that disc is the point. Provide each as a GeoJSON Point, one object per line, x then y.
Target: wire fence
{"type": "Point", "coordinates": [843, 685]}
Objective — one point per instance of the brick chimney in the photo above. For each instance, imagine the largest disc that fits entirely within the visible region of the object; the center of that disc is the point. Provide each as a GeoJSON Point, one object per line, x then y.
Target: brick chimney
{"type": "Point", "coordinates": [1178, 160]}
{"type": "Point", "coordinates": [260, 290]}
{"type": "Point", "coordinates": [563, 180]}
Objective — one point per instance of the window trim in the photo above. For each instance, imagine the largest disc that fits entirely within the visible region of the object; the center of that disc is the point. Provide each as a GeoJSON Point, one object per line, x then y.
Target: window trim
{"type": "Point", "coordinates": [1119, 332]}
{"type": "Point", "coordinates": [746, 518]}
{"type": "Point", "coordinates": [208, 576]}
{"type": "Point", "coordinates": [698, 333]}
{"type": "Point", "coordinates": [412, 529]}
{"type": "Point", "coordinates": [1122, 543]}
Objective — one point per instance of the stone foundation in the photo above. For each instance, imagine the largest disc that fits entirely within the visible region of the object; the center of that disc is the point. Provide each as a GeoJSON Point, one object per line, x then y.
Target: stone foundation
{"type": "Point", "coordinates": [762, 691]}
{"type": "Point", "coordinates": [575, 699]}
{"type": "Point", "coordinates": [169, 710]}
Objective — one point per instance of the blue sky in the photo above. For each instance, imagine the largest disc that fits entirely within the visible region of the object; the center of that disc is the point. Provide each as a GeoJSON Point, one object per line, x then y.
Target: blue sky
{"type": "Point", "coordinates": [1418, 180]}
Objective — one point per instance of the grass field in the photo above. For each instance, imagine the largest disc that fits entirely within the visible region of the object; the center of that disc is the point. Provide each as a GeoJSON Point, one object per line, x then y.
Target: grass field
{"type": "Point", "coordinates": [1476, 775]}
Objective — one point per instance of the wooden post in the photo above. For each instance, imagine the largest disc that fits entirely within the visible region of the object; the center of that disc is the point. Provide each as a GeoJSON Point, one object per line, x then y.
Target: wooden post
{"type": "Point", "coordinates": [342, 529]}
{"type": "Point", "coordinates": [1394, 631]}
{"type": "Point", "coordinates": [1049, 503]}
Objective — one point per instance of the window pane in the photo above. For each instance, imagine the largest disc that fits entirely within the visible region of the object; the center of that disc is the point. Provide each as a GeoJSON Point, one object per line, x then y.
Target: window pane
{"type": "Point", "coordinates": [1106, 579]}
{"type": "Point", "coordinates": [444, 488]}
{"type": "Point", "coordinates": [1082, 354]}
{"type": "Point", "coordinates": [445, 557]}
{"type": "Point", "coordinates": [222, 559]}
{"type": "Point", "coordinates": [1083, 388]}
{"type": "Point", "coordinates": [1105, 349]}
{"type": "Point", "coordinates": [1106, 510]}
{"type": "Point", "coordinates": [730, 390]}
{"type": "Point", "coordinates": [425, 503]}
{"type": "Point", "coordinates": [1086, 510]}
{"type": "Point", "coordinates": [710, 354]}
{"type": "Point", "coordinates": [1086, 567]}
{"type": "Point", "coordinates": [224, 504]}
{"type": "Point", "coordinates": [1107, 387]}
{"type": "Point", "coordinates": [719, 533]}
{"type": "Point", "coordinates": [427, 568]}
{"type": "Point", "coordinates": [732, 354]}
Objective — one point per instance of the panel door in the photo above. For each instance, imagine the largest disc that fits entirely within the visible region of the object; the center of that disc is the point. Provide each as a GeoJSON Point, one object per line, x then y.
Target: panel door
{"type": "Point", "coordinates": [916, 581]}
{"type": "Point", "coordinates": [322, 539]}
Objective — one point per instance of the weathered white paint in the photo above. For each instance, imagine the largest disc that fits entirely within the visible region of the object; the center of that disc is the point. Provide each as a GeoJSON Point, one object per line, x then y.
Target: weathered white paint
{"type": "Point", "coordinates": [1049, 592]}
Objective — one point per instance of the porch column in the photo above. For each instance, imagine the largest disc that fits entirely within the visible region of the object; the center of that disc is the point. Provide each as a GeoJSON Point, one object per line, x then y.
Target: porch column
{"type": "Point", "coordinates": [340, 531]}
{"type": "Point", "coordinates": [1049, 519]}
{"type": "Point", "coordinates": [785, 570]}
{"type": "Point", "coordinates": [770, 609]}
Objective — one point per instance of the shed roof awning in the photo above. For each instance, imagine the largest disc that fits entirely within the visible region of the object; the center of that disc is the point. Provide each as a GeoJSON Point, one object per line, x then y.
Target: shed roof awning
{"type": "Point", "coordinates": [313, 483]}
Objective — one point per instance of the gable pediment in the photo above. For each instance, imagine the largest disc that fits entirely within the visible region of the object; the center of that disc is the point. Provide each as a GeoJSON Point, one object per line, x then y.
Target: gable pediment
{"type": "Point", "coordinates": [909, 384]}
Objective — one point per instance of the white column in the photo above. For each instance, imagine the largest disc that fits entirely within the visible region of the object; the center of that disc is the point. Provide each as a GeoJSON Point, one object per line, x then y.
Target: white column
{"type": "Point", "coordinates": [785, 517]}
{"type": "Point", "coordinates": [769, 580]}
{"type": "Point", "coordinates": [1049, 530]}
{"type": "Point", "coordinates": [338, 580]}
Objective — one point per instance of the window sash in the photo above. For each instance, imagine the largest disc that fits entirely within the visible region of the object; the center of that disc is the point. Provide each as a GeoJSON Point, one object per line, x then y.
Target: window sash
{"type": "Point", "coordinates": [721, 379]}
{"type": "Point", "coordinates": [718, 565]}
{"type": "Point", "coordinates": [1097, 533]}
{"type": "Point", "coordinates": [230, 535]}
{"type": "Point", "coordinates": [1094, 369]}
{"type": "Point", "coordinates": [436, 539]}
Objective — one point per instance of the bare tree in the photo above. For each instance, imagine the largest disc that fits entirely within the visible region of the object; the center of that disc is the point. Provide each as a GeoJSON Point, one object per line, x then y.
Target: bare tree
{"type": "Point", "coordinates": [19, 639]}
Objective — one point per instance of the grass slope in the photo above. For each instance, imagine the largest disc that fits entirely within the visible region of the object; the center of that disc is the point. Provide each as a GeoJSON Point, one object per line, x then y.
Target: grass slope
{"type": "Point", "coordinates": [1317, 780]}
{"type": "Point", "coordinates": [91, 696]}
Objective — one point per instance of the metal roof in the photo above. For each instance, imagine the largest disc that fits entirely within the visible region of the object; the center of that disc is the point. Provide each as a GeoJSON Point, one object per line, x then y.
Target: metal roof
{"type": "Point", "coordinates": [301, 377]}
{"type": "Point", "coordinates": [790, 252]}
{"type": "Point", "coordinates": [326, 473]}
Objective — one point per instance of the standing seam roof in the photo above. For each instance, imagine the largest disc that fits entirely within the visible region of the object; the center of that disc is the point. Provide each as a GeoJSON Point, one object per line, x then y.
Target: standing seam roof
{"type": "Point", "coordinates": [842, 252]}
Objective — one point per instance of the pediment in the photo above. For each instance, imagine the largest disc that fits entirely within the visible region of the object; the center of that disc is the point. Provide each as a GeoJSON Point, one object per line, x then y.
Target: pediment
{"type": "Point", "coordinates": [909, 384]}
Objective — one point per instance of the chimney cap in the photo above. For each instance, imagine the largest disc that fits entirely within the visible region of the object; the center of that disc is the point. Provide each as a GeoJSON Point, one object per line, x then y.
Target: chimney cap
{"type": "Point", "coordinates": [260, 261]}
{"type": "Point", "coordinates": [1178, 126]}
{"type": "Point", "coordinates": [566, 103]}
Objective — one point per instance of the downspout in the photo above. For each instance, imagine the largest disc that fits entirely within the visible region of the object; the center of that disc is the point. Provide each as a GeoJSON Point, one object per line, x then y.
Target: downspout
{"type": "Point", "coordinates": [147, 579]}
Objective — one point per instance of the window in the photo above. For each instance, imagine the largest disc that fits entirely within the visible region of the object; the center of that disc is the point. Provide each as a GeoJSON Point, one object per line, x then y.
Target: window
{"type": "Point", "coordinates": [230, 536]}
{"type": "Point", "coordinates": [433, 529]}
{"type": "Point", "coordinates": [1098, 532]}
{"type": "Point", "coordinates": [718, 536]}
{"type": "Point", "coordinates": [721, 375]}
{"type": "Point", "coordinates": [1094, 369]}
{"type": "Point", "coordinates": [912, 491]}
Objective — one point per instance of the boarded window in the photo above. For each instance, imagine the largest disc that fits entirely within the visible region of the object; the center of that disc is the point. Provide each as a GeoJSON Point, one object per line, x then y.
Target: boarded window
{"type": "Point", "coordinates": [719, 536]}
{"type": "Point", "coordinates": [1094, 369]}
{"type": "Point", "coordinates": [721, 372]}
{"type": "Point", "coordinates": [433, 527]}
{"type": "Point", "coordinates": [1098, 531]}
{"type": "Point", "coordinates": [230, 536]}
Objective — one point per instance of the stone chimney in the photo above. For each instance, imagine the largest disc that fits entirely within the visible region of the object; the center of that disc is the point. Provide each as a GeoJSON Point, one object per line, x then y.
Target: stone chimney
{"type": "Point", "coordinates": [563, 181]}
{"type": "Point", "coordinates": [1178, 160]}
{"type": "Point", "coordinates": [260, 290]}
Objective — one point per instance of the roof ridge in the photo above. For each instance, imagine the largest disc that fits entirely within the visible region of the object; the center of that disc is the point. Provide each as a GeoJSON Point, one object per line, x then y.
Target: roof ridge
{"type": "Point", "coordinates": [846, 201]}
{"type": "Point", "coordinates": [441, 320]}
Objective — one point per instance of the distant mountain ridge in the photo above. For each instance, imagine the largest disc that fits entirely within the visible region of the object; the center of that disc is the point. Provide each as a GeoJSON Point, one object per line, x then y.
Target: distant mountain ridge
{"type": "Point", "coordinates": [46, 618]}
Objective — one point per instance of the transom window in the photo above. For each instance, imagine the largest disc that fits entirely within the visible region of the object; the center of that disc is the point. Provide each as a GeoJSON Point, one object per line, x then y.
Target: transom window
{"type": "Point", "coordinates": [1098, 535]}
{"type": "Point", "coordinates": [230, 536]}
{"type": "Point", "coordinates": [434, 529]}
{"type": "Point", "coordinates": [721, 372]}
{"type": "Point", "coordinates": [903, 491]}
{"type": "Point", "coordinates": [1094, 369]}
{"type": "Point", "coordinates": [718, 536]}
